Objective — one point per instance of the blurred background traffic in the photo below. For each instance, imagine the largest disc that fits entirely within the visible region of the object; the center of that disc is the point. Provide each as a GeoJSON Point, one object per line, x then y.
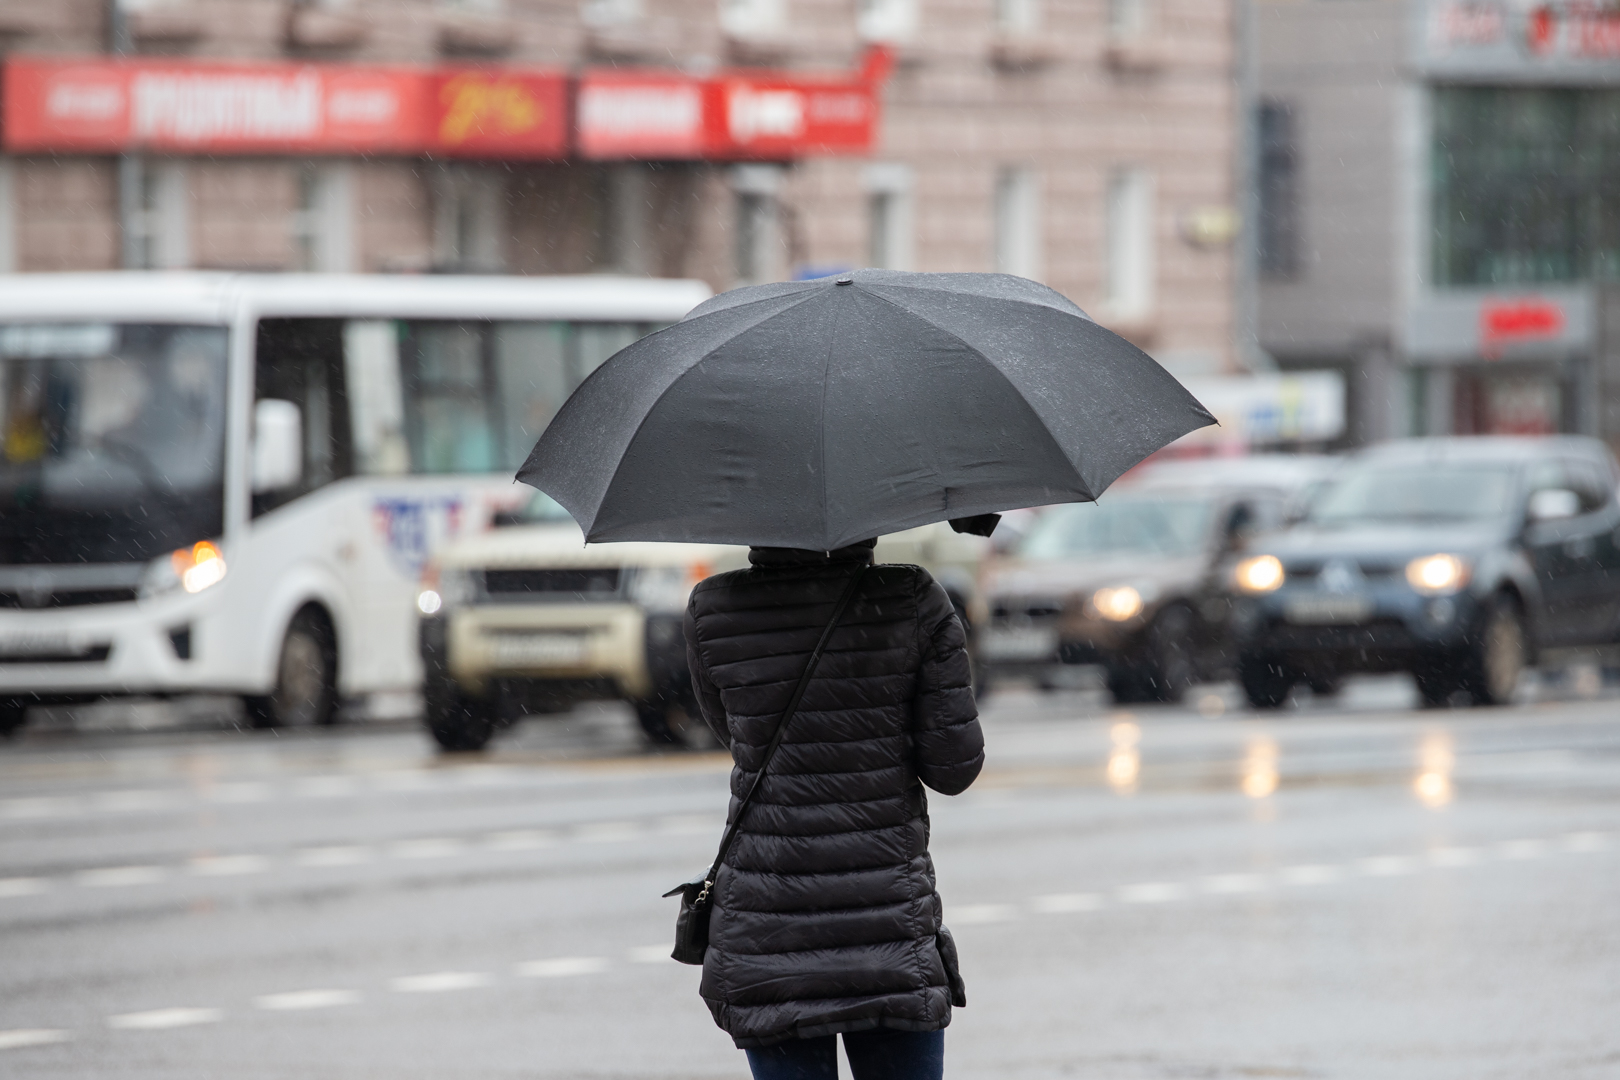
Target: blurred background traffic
{"type": "Point", "coordinates": [293, 286]}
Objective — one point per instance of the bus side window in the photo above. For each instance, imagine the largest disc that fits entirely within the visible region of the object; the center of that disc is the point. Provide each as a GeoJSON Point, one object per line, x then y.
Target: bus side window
{"type": "Point", "coordinates": [301, 361]}
{"type": "Point", "coordinates": [371, 362]}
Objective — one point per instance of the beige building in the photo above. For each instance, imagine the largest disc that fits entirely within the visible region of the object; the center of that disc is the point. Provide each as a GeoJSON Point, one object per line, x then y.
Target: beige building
{"type": "Point", "coordinates": [1085, 143]}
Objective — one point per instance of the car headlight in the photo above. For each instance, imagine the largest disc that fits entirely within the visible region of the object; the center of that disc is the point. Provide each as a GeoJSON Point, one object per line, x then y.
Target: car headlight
{"type": "Point", "coordinates": [665, 588]}
{"type": "Point", "coordinates": [1261, 574]}
{"type": "Point", "coordinates": [443, 589]}
{"type": "Point", "coordinates": [192, 569]}
{"type": "Point", "coordinates": [1117, 604]}
{"type": "Point", "coordinates": [1437, 575]}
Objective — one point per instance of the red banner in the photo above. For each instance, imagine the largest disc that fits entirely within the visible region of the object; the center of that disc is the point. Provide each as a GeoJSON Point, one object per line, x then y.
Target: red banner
{"type": "Point", "coordinates": [110, 106]}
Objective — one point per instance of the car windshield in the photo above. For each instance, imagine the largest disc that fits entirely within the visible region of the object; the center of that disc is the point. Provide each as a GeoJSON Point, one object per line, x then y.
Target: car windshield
{"type": "Point", "coordinates": [541, 509]}
{"type": "Point", "coordinates": [1163, 526]}
{"type": "Point", "coordinates": [1415, 492]}
{"type": "Point", "coordinates": [112, 440]}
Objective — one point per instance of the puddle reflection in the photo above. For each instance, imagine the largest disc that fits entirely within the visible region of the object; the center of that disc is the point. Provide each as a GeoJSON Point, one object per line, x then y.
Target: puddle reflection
{"type": "Point", "coordinates": [1124, 761]}
{"type": "Point", "coordinates": [1432, 785]}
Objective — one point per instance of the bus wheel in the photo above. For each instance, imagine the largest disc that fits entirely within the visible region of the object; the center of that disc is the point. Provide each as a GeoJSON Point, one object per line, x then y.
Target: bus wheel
{"type": "Point", "coordinates": [306, 677]}
{"type": "Point", "coordinates": [13, 714]}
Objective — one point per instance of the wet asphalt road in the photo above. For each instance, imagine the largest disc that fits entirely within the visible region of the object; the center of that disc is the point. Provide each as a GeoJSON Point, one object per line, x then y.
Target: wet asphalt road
{"type": "Point", "coordinates": [1346, 889]}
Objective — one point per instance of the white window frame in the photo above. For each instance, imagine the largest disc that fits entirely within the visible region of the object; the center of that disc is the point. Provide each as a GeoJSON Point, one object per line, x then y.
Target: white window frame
{"type": "Point", "coordinates": [161, 222]}
{"type": "Point", "coordinates": [761, 254]}
{"type": "Point", "coordinates": [1018, 222]}
{"type": "Point", "coordinates": [1019, 18]}
{"type": "Point", "coordinates": [753, 18]}
{"type": "Point", "coordinates": [887, 22]}
{"type": "Point", "coordinates": [1131, 218]}
{"type": "Point", "coordinates": [323, 223]}
{"type": "Point", "coordinates": [8, 217]}
{"type": "Point", "coordinates": [469, 219]}
{"type": "Point", "coordinates": [891, 216]}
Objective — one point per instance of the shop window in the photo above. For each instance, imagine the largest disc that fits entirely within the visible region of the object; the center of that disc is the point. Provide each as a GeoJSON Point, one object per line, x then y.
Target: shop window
{"type": "Point", "coordinates": [1525, 185]}
{"type": "Point", "coordinates": [301, 361]}
{"type": "Point", "coordinates": [1277, 180]}
{"type": "Point", "coordinates": [157, 216]}
{"type": "Point", "coordinates": [1131, 270]}
{"type": "Point", "coordinates": [323, 223]}
{"type": "Point", "coordinates": [760, 251]}
{"type": "Point", "coordinates": [1018, 222]}
{"type": "Point", "coordinates": [469, 220]}
{"type": "Point", "coordinates": [891, 22]}
{"type": "Point", "coordinates": [8, 219]}
{"type": "Point", "coordinates": [889, 217]}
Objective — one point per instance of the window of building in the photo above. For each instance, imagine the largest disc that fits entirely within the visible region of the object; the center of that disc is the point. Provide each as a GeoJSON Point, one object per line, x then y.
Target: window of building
{"type": "Point", "coordinates": [627, 234]}
{"type": "Point", "coordinates": [158, 216]}
{"type": "Point", "coordinates": [1277, 180]}
{"type": "Point", "coordinates": [1131, 261]}
{"type": "Point", "coordinates": [761, 252]}
{"type": "Point", "coordinates": [752, 18]}
{"type": "Point", "coordinates": [8, 219]}
{"type": "Point", "coordinates": [887, 21]}
{"type": "Point", "coordinates": [1018, 222]}
{"type": "Point", "coordinates": [1526, 185]}
{"type": "Point", "coordinates": [889, 217]}
{"type": "Point", "coordinates": [1018, 17]}
{"type": "Point", "coordinates": [323, 223]}
{"type": "Point", "coordinates": [469, 220]}
{"type": "Point", "coordinates": [606, 13]}
{"type": "Point", "coordinates": [1127, 18]}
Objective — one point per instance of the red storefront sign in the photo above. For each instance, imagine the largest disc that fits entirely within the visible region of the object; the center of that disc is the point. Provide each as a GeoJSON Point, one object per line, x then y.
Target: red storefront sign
{"type": "Point", "coordinates": [99, 106]}
{"type": "Point", "coordinates": [639, 115]}
{"type": "Point", "coordinates": [1506, 322]}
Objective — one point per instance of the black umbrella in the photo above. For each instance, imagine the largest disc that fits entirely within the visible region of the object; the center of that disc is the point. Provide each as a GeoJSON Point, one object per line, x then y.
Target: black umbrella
{"type": "Point", "coordinates": [814, 414]}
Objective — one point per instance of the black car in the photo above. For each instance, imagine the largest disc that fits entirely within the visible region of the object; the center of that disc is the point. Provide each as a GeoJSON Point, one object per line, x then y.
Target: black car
{"type": "Point", "coordinates": [1455, 559]}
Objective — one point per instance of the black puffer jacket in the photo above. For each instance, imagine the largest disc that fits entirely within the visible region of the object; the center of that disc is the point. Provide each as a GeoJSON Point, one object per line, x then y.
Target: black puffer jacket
{"type": "Point", "coordinates": [825, 915]}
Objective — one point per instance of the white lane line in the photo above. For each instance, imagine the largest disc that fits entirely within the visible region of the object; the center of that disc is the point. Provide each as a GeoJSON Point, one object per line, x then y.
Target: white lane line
{"type": "Point", "coordinates": [439, 981]}
{"type": "Point", "coordinates": [608, 832]}
{"type": "Point", "coordinates": [340, 855]}
{"type": "Point", "coordinates": [245, 791]}
{"type": "Point", "coordinates": [403, 780]}
{"type": "Point", "coordinates": [1309, 874]}
{"type": "Point", "coordinates": [561, 967]}
{"type": "Point", "coordinates": [1066, 903]}
{"type": "Point", "coordinates": [294, 1000]}
{"type": "Point", "coordinates": [689, 825]}
{"type": "Point", "coordinates": [1455, 857]}
{"type": "Point", "coordinates": [1222, 884]}
{"type": "Point", "coordinates": [117, 802]}
{"type": "Point", "coordinates": [17, 1038]}
{"type": "Point", "coordinates": [22, 886]}
{"type": "Point", "coordinates": [325, 787]}
{"type": "Point", "coordinates": [1584, 842]}
{"type": "Point", "coordinates": [111, 877]}
{"type": "Point", "coordinates": [427, 847]}
{"type": "Point", "coordinates": [158, 1019]}
{"type": "Point", "coordinates": [227, 865]}
{"type": "Point", "coordinates": [520, 840]}
{"type": "Point", "coordinates": [650, 954]}
{"type": "Point", "coordinates": [1152, 892]}
{"type": "Point", "coordinates": [1387, 865]}
{"type": "Point", "coordinates": [969, 914]}
{"type": "Point", "coordinates": [1522, 849]}
{"type": "Point", "coordinates": [40, 806]}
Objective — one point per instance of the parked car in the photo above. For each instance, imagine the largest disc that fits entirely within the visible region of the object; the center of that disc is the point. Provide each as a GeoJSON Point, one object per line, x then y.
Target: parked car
{"type": "Point", "coordinates": [528, 618]}
{"type": "Point", "coordinates": [1135, 581]}
{"type": "Point", "coordinates": [1455, 559]}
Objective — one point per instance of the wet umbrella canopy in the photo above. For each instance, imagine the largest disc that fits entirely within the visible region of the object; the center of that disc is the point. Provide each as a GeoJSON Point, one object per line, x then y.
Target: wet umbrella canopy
{"type": "Point", "coordinates": [815, 414]}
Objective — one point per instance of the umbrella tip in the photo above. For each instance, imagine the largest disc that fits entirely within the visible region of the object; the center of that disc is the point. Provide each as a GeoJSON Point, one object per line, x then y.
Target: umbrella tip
{"type": "Point", "coordinates": [845, 280]}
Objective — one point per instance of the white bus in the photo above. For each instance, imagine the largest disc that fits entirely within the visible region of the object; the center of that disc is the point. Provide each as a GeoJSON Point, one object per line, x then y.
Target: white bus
{"type": "Point", "coordinates": [229, 484]}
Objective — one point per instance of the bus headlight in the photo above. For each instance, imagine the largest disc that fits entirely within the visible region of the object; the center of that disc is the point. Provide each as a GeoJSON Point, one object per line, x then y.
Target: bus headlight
{"type": "Point", "coordinates": [193, 569]}
{"type": "Point", "coordinates": [1261, 574]}
{"type": "Point", "coordinates": [1437, 575]}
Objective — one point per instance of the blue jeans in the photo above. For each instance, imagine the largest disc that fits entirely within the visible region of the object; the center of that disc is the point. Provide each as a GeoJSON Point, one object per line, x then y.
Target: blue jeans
{"type": "Point", "coordinates": [879, 1054]}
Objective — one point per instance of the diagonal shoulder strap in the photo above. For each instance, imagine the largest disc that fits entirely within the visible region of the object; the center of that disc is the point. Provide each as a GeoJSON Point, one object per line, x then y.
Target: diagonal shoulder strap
{"type": "Point", "coordinates": [787, 716]}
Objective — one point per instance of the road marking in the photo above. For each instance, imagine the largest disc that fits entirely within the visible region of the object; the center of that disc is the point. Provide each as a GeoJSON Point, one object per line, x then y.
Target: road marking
{"type": "Point", "coordinates": [1387, 865]}
{"type": "Point", "coordinates": [608, 832]}
{"type": "Point", "coordinates": [1522, 849]}
{"type": "Point", "coordinates": [341, 855]}
{"type": "Point", "coordinates": [22, 886]}
{"type": "Point", "coordinates": [119, 802]}
{"type": "Point", "coordinates": [157, 1019]}
{"type": "Point", "coordinates": [17, 1038]}
{"type": "Point", "coordinates": [245, 791]}
{"type": "Point", "coordinates": [689, 825]}
{"type": "Point", "coordinates": [561, 967]}
{"type": "Point", "coordinates": [116, 876]}
{"type": "Point", "coordinates": [1065, 903]}
{"type": "Point", "coordinates": [1452, 857]}
{"type": "Point", "coordinates": [40, 806]}
{"type": "Point", "coordinates": [440, 981]}
{"type": "Point", "coordinates": [1583, 842]}
{"type": "Point", "coordinates": [1234, 883]}
{"type": "Point", "coordinates": [428, 847]}
{"type": "Point", "coordinates": [294, 1000]}
{"type": "Point", "coordinates": [1152, 892]}
{"type": "Point", "coordinates": [1310, 874]}
{"type": "Point", "coordinates": [520, 840]}
{"type": "Point", "coordinates": [228, 865]}
{"type": "Point", "coordinates": [650, 954]}
{"type": "Point", "coordinates": [326, 787]}
{"type": "Point", "coordinates": [965, 914]}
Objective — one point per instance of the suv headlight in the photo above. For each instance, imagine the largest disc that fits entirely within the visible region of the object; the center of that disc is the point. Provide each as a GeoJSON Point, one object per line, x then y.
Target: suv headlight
{"type": "Point", "coordinates": [1261, 574]}
{"type": "Point", "coordinates": [665, 588]}
{"type": "Point", "coordinates": [193, 569]}
{"type": "Point", "coordinates": [1117, 604]}
{"type": "Point", "coordinates": [1437, 575]}
{"type": "Point", "coordinates": [442, 589]}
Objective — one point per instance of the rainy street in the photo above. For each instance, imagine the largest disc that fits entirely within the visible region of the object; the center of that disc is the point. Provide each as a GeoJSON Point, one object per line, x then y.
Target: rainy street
{"type": "Point", "coordinates": [1348, 888]}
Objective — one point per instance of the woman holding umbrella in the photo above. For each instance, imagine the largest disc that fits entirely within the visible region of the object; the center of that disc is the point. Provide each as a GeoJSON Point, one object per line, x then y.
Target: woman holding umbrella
{"type": "Point", "coordinates": [804, 419]}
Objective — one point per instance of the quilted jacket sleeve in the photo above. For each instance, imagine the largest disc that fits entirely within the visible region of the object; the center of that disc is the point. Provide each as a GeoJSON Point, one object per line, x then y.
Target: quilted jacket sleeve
{"type": "Point", "coordinates": [950, 745]}
{"type": "Point", "coordinates": [708, 695]}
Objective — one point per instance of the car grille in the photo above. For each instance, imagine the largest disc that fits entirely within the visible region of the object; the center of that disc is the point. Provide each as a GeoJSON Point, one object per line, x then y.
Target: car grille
{"type": "Point", "coordinates": [1304, 571]}
{"type": "Point", "coordinates": [1025, 610]}
{"type": "Point", "coordinates": [61, 598]}
{"type": "Point", "coordinates": [570, 581]}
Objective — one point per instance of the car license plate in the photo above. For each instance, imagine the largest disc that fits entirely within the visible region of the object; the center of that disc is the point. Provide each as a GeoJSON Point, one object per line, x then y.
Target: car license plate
{"type": "Point", "coordinates": [536, 650]}
{"type": "Point", "coordinates": [1025, 643]}
{"type": "Point", "coordinates": [1328, 610]}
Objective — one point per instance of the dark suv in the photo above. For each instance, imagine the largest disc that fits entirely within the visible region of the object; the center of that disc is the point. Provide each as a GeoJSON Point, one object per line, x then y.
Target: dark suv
{"type": "Point", "coordinates": [1455, 559]}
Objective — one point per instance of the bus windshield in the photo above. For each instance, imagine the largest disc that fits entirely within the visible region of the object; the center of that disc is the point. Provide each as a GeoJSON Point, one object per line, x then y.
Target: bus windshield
{"type": "Point", "coordinates": [112, 440]}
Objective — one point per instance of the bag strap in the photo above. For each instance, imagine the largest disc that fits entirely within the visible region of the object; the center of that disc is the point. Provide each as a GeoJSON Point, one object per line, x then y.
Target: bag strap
{"type": "Point", "coordinates": [781, 727]}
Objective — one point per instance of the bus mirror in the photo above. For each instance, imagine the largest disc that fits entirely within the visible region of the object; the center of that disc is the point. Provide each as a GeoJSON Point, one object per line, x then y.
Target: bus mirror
{"type": "Point", "coordinates": [278, 445]}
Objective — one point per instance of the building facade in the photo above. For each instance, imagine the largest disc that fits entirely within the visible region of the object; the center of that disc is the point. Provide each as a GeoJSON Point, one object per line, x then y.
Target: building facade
{"type": "Point", "coordinates": [1440, 210]}
{"type": "Point", "coordinates": [1085, 143]}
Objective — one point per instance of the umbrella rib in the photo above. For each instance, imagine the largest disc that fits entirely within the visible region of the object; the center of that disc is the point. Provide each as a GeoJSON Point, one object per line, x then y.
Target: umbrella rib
{"type": "Point", "coordinates": [1085, 485]}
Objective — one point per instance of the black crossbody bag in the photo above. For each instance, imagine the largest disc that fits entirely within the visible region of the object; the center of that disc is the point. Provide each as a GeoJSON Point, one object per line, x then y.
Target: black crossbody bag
{"type": "Point", "coordinates": [692, 924]}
